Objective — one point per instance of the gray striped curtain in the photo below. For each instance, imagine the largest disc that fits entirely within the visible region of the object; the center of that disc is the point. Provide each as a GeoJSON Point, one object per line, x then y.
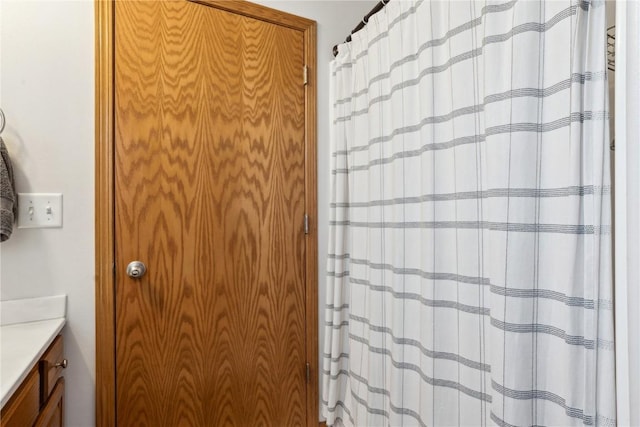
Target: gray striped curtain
{"type": "Point", "coordinates": [469, 262]}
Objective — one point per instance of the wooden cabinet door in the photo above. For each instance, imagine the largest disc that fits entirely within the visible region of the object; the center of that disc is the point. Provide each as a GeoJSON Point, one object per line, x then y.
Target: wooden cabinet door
{"type": "Point", "coordinates": [210, 196]}
{"type": "Point", "coordinates": [52, 413]}
{"type": "Point", "coordinates": [22, 408]}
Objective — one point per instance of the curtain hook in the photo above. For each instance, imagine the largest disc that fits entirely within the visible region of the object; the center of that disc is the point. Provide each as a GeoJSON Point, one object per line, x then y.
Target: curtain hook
{"type": "Point", "coordinates": [2, 118]}
{"type": "Point", "coordinates": [365, 21]}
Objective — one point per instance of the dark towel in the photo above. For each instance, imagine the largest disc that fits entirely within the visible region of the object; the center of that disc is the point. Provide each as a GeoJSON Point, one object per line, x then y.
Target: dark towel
{"type": "Point", "coordinates": [8, 196]}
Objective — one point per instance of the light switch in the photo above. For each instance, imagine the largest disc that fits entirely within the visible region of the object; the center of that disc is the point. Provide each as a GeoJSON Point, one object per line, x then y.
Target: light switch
{"type": "Point", "coordinates": [39, 210]}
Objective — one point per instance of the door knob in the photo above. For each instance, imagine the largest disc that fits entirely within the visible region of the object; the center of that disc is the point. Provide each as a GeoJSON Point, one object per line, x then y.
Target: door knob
{"type": "Point", "coordinates": [136, 269]}
{"type": "Point", "coordinates": [62, 364]}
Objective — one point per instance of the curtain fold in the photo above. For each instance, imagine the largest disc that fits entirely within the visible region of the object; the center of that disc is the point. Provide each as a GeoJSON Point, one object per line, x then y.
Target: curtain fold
{"type": "Point", "coordinates": [469, 266]}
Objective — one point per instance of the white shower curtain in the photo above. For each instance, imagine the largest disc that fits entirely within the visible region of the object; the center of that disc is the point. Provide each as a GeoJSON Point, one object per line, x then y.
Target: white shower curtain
{"type": "Point", "coordinates": [469, 254]}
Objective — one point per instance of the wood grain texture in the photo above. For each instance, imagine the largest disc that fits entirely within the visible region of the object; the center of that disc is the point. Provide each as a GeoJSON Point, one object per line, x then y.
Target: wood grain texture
{"type": "Point", "coordinates": [49, 372]}
{"type": "Point", "coordinates": [311, 201]}
{"type": "Point", "coordinates": [104, 216]}
{"type": "Point", "coordinates": [23, 407]}
{"type": "Point", "coordinates": [52, 414]}
{"type": "Point", "coordinates": [261, 13]}
{"type": "Point", "coordinates": [210, 175]}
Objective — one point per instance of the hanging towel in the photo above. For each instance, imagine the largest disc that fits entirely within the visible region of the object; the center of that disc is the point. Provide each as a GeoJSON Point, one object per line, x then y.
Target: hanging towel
{"type": "Point", "coordinates": [8, 196]}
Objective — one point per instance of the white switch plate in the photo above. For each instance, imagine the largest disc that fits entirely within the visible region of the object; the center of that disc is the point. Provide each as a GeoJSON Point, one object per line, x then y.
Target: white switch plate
{"type": "Point", "coordinates": [39, 210]}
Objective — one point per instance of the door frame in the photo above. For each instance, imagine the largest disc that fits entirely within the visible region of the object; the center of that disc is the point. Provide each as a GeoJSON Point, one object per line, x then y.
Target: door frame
{"type": "Point", "coordinates": [105, 199]}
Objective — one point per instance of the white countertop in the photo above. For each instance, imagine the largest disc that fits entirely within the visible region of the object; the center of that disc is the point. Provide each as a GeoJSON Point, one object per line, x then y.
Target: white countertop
{"type": "Point", "coordinates": [23, 343]}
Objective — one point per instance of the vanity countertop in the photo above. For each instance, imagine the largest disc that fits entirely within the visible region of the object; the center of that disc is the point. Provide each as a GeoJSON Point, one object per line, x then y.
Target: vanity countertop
{"type": "Point", "coordinates": [27, 329]}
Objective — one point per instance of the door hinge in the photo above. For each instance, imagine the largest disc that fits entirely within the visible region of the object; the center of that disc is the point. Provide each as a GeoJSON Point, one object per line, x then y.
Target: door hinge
{"type": "Point", "coordinates": [305, 75]}
{"type": "Point", "coordinates": [308, 372]}
{"type": "Point", "coordinates": [306, 224]}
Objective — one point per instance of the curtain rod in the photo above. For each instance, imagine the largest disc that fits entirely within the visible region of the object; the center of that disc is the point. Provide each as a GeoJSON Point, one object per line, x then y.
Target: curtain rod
{"type": "Point", "coordinates": [377, 8]}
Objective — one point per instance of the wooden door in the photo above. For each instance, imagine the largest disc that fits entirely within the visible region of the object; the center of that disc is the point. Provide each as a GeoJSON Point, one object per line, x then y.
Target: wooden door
{"type": "Point", "coordinates": [210, 195]}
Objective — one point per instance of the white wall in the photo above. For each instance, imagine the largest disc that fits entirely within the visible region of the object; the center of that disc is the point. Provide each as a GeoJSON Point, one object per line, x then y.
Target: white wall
{"type": "Point", "coordinates": [47, 94]}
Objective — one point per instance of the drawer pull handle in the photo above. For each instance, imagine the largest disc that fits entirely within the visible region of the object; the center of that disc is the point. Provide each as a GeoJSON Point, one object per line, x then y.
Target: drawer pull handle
{"type": "Point", "coordinates": [62, 364]}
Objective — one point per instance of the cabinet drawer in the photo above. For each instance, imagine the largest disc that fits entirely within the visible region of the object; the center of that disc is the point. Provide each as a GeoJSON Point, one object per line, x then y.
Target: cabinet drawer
{"type": "Point", "coordinates": [52, 412]}
{"type": "Point", "coordinates": [22, 409]}
{"type": "Point", "coordinates": [51, 367]}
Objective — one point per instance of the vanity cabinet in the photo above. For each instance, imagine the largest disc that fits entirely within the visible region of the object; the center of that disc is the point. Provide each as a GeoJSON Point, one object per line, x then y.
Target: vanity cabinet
{"type": "Point", "coordinates": [51, 413]}
{"type": "Point", "coordinates": [39, 401]}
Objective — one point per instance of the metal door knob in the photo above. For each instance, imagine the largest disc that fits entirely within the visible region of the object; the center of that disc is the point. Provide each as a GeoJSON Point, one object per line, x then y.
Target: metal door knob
{"type": "Point", "coordinates": [62, 364]}
{"type": "Point", "coordinates": [136, 269]}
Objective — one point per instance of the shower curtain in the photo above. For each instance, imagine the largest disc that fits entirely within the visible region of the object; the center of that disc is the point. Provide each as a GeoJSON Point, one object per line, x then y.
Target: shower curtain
{"type": "Point", "coordinates": [469, 266]}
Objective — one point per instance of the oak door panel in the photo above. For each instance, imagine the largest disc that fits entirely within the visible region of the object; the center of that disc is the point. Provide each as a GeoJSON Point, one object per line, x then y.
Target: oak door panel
{"type": "Point", "coordinates": [210, 181]}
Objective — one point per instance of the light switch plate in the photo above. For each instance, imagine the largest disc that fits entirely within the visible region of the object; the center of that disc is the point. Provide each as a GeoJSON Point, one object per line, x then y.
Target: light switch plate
{"type": "Point", "coordinates": [39, 210]}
